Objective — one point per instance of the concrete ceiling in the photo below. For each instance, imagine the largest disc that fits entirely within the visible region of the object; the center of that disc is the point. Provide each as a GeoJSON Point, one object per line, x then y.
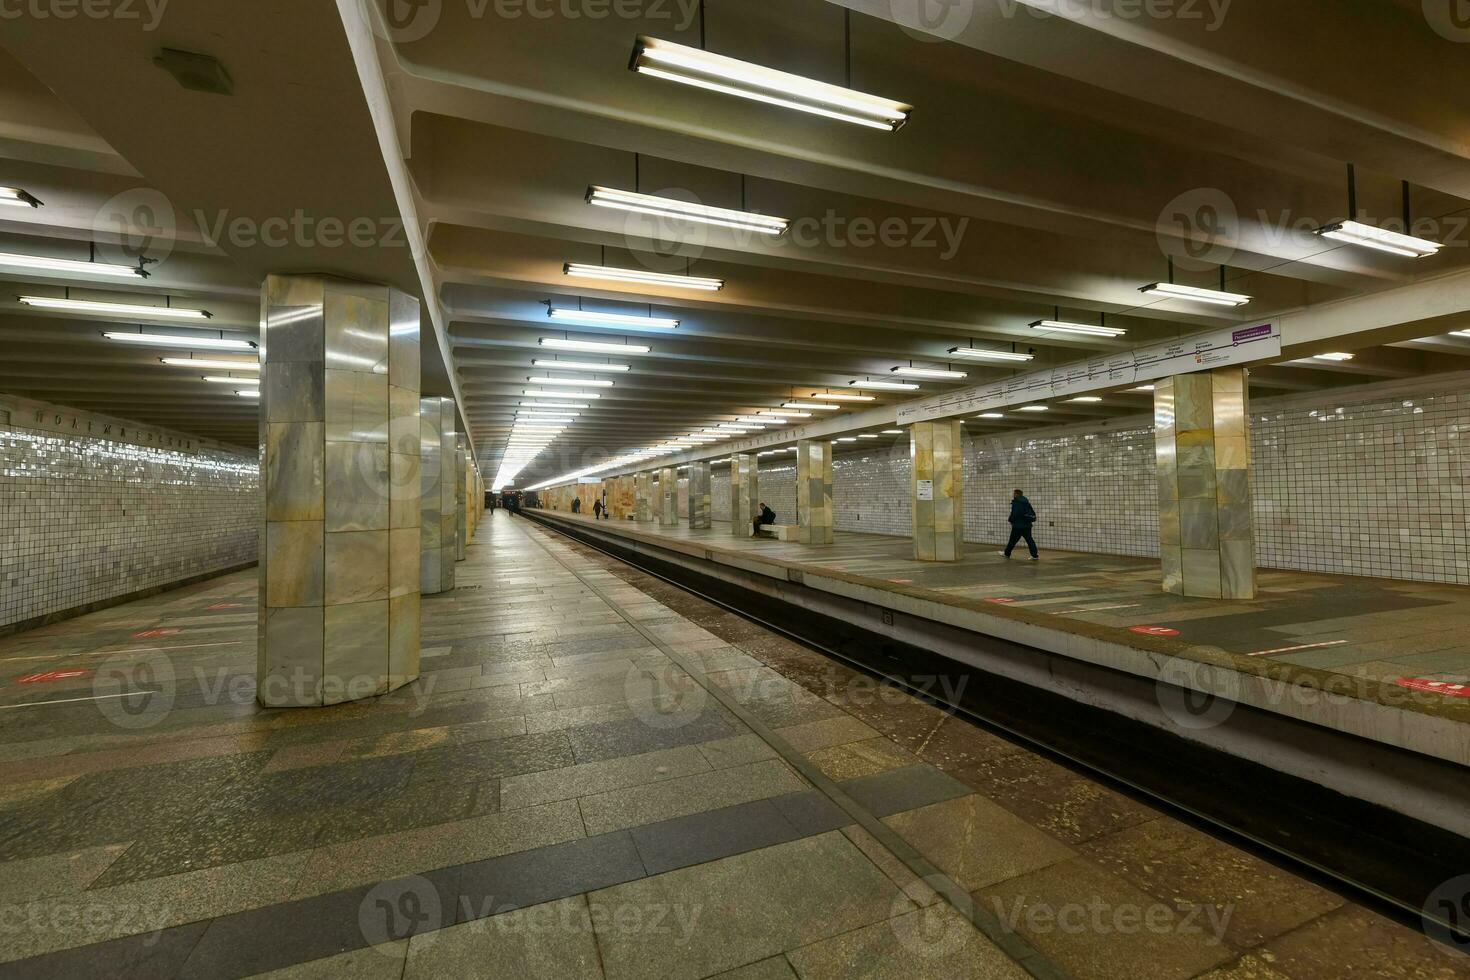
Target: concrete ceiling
{"type": "Point", "coordinates": [1051, 164]}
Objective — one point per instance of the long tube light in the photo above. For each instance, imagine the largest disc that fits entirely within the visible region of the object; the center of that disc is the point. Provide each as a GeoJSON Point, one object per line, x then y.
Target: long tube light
{"type": "Point", "coordinates": [592, 382]}
{"type": "Point", "coordinates": [213, 343]}
{"type": "Point", "coordinates": [538, 393]}
{"type": "Point", "coordinates": [663, 207]}
{"type": "Point", "coordinates": [211, 363]}
{"type": "Point", "coordinates": [592, 346]}
{"type": "Point", "coordinates": [215, 379]}
{"type": "Point", "coordinates": [576, 365]}
{"type": "Point", "coordinates": [982, 354]}
{"type": "Point", "coordinates": [1086, 329]}
{"type": "Point", "coordinates": [1357, 233]}
{"type": "Point", "coordinates": [784, 414]}
{"type": "Point", "coordinates": [843, 396]}
{"type": "Point", "coordinates": [729, 76]}
{"type": "Point", "coordinates": [79, 266]}
{"type": "Point", "coordinates": [819, 406]}
{"type": "Point", "coordinates": [114, 309]}
{"type": "Point", "coordinates": [910, 371]}
{"type": "Point", "coordinates": [643, 277]}
{"type": "Point", "coordinates": [612, 319]}
{"type": "Point", "coordinates": [1196, 294]}
{"type": "Point", "coordinates": [558, 405]}
{"type": "Point", "coordinates": [886, 385]}
{"type": "Point", "coordinates": [15, 197]}
{"type": "Point", "coordinates": [545, 418]}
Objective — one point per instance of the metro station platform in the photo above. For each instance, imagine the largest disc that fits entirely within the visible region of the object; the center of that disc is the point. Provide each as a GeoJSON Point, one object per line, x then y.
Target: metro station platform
{"type": "Point", "coordinates": [597, 775]}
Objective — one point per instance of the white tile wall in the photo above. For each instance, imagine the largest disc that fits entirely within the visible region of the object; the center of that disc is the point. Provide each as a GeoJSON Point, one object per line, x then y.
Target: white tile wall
{"type": "Point", "coordinates": [94, 508]}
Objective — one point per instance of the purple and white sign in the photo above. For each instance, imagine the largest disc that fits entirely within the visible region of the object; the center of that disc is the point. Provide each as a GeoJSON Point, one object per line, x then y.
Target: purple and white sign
{"type": "Point", "coordinates": [1261, 332]}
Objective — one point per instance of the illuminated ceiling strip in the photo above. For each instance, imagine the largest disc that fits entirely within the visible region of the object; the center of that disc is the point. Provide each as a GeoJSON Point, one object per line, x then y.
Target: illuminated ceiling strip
{"type": "Point", "coordinates": [596, 319]}
{"type": "Point", "coordinates": [551, 365]}
{"type": "Point", "coordinates": [114, 309]}
{"type": "Point", "coordinates": [982, 354]}
{"type": "Point", "coordinates": [1195, 294]}
{"type": "Point", "coordinates": [592, 346]}
{"type": "Point", "coordinates": [212, 343]}
{"type": "Point", "coordinates": [1357, 233]}
{"type": "Point", "coordinates": [79, 266]}
{"type": "Point", "coordinates": [643, 277]}
{"type": "Point", "coordinates": [909, 371]}
{"type": "Point", "coordinates": [1086, 329]}
{"type": "Point", "coordinates": [663, 207]}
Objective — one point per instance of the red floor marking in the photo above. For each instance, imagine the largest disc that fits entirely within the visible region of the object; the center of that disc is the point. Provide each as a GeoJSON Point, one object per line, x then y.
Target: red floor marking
{"type": "Point", "coordinates": [51, 675]}
{"type": "Point", "coordinates": [1000, 600]}
{"type": "Point", "coordinates": [1438, 687]}
{"type": "Point", "coordinates": [149, 634]}
{"type": "Point", "coordinates": [1304, 646]}
{"type": "Point", "coordinates": [1154, 630]}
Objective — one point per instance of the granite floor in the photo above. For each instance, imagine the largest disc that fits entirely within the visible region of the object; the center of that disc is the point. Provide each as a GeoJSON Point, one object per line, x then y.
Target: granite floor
{"type": "Point", "coordinates": [1381, 629]}
{"type": "Point", "coordinates": [597, 775]}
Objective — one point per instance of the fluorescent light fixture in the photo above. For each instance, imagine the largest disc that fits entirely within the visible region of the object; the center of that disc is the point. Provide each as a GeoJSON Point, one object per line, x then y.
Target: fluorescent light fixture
{"type": "Point", "coordinates": [642, 277]}
{"type": "Point", "coordinates": [114, 309]}
{"type": "Point", "coordinates": [248, 392]}
{"type": "Point", "coordinates": [842, 396]}
{"type": "Point", "coordinates": [991, 415]}
{"type": "Point", "coordinates": [784, 415]}
{"type": "Point", "coordinates": [886, 385]}
{"type": "Point", "coordinates": [539, 404]}
{"type": "Point", "coordinates": [211, 363]}
{"type": "Point", "coordinates": [214, 379]}
{"type": "Point", "coordinates": [1216, 297]}
{"type": "Point", "coordinates": [1087, 329]}
{"type": "Point", "coordinates": [867, 435]}
{"type": "Point", "coordinates": [538, 393]}
{"type": "Point", "coordinates": [729, 76]}
{"type": "Point", "coordinates": [592, 346]}
{"type": "Point", "coordinates": [1085, 399]}
{"type": "Point", "coordinates": [576, 365]}
{"type": "Point", "coordinates": [15, 197]}
{"type": "Point", "coordinates": [1336, 356]}
{"type": "Point", "coordinates": [663, 207]}
{"type": "Point", "coordinates": [727, 427]}
{"type": "Point", "coordinates": [1357, 233]}
{"type": "Point", "coordinates": [1460, 333]}
{"type": "Point", "coordinates": [909, 371]}
{"type": "Point", "coordinates": [558, 416]}
{"type": "Point", "coordinates": [846, 439]}
{"type": "Point", "coordinates": [596, 319]}
{"type": "Point", "coordinates": [819, 406]}
{"type": "Point", "coordinates": [982, 354]}
{"type": "Point", "coordinates": [893, 432]}
{"type": "Point", "coordinates": [79, 266]}
{"type": "Point", "coordinates": [1033, 408]}
{"type": "Point", "coordinates": [213, 343]}
{"type": "Point", "coordinates": [593, 382]}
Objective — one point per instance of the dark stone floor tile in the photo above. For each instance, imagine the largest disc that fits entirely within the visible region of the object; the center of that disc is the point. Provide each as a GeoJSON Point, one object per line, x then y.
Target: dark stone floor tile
{"type": "Point", "coordinates": [148, 956]}
{"type": "Point", "coordinates": [715, 834]}
{"type": "Point", "coordinates": [545, 874]}
{"type": "Point", "coordinates": [633, 736]}
{"type": "Point", "coordinates": [811, 812]}
{"type": "Point", "coordinates": [497, 757]}
{"type": "Point", "coordinates": [887, 793]}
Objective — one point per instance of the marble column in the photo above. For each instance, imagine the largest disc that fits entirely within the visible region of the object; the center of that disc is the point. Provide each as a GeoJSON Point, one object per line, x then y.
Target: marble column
{"type": "Point", "coordinates": [668, 497]}
{"type": "Point", "coordinates": [461, 497]}
{"type": "Point", "coordinates": [814, 491]}
{"type": "Point", "coordinates": [938, 490]}
{"type": "Point", "coordinates": [745, 502]}
{"type": "Point", "coordinates": [700, 510]}
{"type": "Point", "coordinates": [643, 497]}
{"type": "Point", "coordinates": [1202, 440]}
{"type": "Point", "coordinates": [438, 519]}
{"type": "Point", "coordinates": [339, 394]}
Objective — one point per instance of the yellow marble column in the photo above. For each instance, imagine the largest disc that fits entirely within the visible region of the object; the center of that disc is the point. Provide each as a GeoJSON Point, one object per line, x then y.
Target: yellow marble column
{"type": "Point", "coordinates": [668, 497]}
{"type": "Point", "coordinates": [814, 491]}
{"type": "Point", "coordinates": [744, 493]}
{"type": "Point", "coordinates": [700, 509]}
{"type": "Point", "coordinates": [461, 496]}
{"type": "Point", "coordinates": [1202, 441]}
{"type": "Point", "coordinates": [643, 497]}
{"type": "Point", "coordinates": [339, 402]}
{"type": "Point", "coordinates": [936, 452]}
{"type": "Point", "coordinates": [437, 517]}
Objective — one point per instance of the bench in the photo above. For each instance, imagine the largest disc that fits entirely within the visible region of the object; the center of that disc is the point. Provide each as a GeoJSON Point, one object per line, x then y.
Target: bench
{"type": "Point", "coordinates": [781, 532]}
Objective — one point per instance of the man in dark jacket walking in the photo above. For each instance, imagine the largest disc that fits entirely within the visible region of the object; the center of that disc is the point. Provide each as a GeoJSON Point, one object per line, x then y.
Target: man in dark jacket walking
{"type": "Point", "coordinates": [1022, 517]}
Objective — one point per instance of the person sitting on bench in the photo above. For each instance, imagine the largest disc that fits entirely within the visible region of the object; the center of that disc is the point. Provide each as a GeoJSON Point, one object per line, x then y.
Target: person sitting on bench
{"type": "Point", "coordinates": [767, 516]}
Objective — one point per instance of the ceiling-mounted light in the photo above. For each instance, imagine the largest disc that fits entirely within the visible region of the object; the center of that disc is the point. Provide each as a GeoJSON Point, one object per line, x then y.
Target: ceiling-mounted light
{"type": "Point", "coordinates": [1335, 356]}
{"type": "Point", "coordinates": [1357, 233]}
{"type": "Point", "coordinates": [524, 413]}
{"type": "Point", "coordinates": [983, 354]}
{"type": "Point", "coordinates": [991, 415]}
{"type": "Point", "coordinates": [1143, 388]}
{"type": "Point", "coordinates": [558, 405]}
{"type": "Point", "coordinates": [538, 393]}
{"type": "Point", "coordinates": [717, 73]}
{"type": "Point", "coordinates": [79, 266]}
{"type": "Point", "coordinates": [893, 432]}
{"type": "Point", "coordinates": [248, 393]}
{"type": "Point", "coordinates": [819, 406]}
{"type": "Point", "coordinates": [842, 396]}
{"type": "Point", "coordinates": [1460, 333]}
{"type": "Point", "coordinates": [885, 385]}
{"type": "Point", "coordinates": [1086, 399]}
{"type": "Point", "coordinates": [909, 371]}
{"type": "Point", "coordinates": [592, 346]}
{"type": "Point", "coordinates": [1087, 329]}
{"type": "Point", "coordinates": [215, 379]}
{"type": "Point", "coordinates": [114, 309]}
{"type": "Point", "coordinates": [546, 419]}
{"type": "Point", "coordinates": [642, 277]}
{"type": "Point", "coordinates": [727, 427]}
{"type": "Point", "coordinates": [663, 207]}
{"type": "Point", "coordinates": [211, 363]}
{"type": "Point", "coordinates": [1033, 408]}
{"type": "Point", "coordinates": [612, 319]}
{"type": "Point", "coordinates": [846, 439]}
{"type": "Point", "coordinates": [759, 420]}
{"type": "Point", "coordinates": [576, 365]}
{"type": "Point", "coordinates": [867, 435]}
{"type": "Point", "coordinates": [592, 382]}
{"type": "Point", "coordinates": [15, 197]}
{"type": "Point", "coordinates": [212, 343]}
{"type": "Point", "coordinates": [1195, 294]}
{"type": "Point", "coordinates": [784, 414]}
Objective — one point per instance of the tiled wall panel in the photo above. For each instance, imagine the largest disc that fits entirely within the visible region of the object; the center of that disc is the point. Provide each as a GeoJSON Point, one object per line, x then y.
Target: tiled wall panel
{"type": "Point", "coordinates": [86, 516]}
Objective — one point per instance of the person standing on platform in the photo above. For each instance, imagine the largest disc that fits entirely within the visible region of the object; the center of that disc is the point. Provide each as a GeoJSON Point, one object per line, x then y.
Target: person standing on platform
{"type": "Point", "coordinates": [1023, 516]}
{"type": "Point", "coordinates": [597, 509]}
{"type": "Point", "coordinates": [576, 505]}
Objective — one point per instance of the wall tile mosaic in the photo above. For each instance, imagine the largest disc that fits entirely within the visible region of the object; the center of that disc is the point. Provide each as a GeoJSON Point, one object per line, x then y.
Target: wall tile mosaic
{"type": "Point", "coordinates": [93, 508]}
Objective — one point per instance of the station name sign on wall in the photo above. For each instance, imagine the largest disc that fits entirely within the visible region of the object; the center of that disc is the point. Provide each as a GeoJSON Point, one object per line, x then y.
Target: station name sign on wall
{"type": "Point", "coordinates": [1200, 352]}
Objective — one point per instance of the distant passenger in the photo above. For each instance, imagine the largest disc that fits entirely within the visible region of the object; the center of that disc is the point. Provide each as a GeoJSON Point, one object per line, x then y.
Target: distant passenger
{"type": "Point", "coordinates": [597, 509]}
{"type": "Point", "coordinates": [576, 505]}
{"type": "Point", "coordinates": [767, 516]}
{"type": "Point", "coordinates": [1023, 515]}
